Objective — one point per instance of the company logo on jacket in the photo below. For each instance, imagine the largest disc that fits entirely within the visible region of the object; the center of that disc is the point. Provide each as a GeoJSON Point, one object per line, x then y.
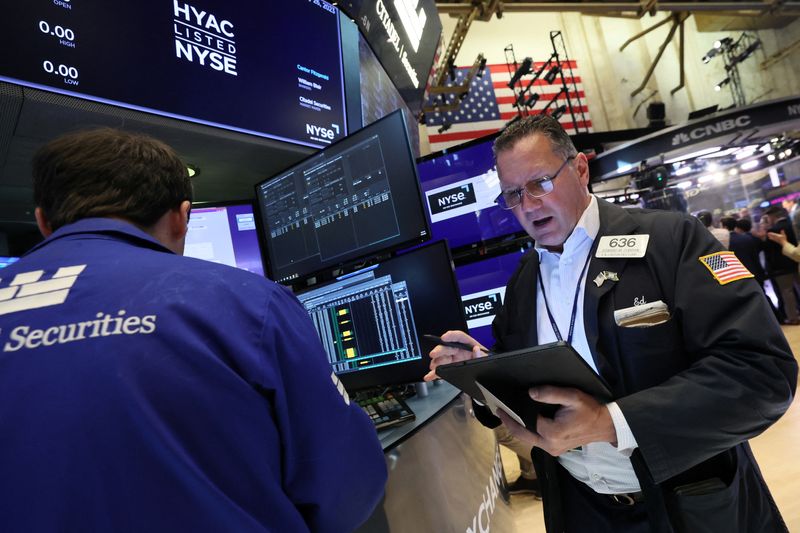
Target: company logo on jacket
{"type": "Point", "coordinates": [28, 291]}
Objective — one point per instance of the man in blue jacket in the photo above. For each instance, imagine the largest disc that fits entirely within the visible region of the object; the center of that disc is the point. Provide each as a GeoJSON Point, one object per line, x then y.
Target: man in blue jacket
{"type": "Point", "coordinates": [144, 391]}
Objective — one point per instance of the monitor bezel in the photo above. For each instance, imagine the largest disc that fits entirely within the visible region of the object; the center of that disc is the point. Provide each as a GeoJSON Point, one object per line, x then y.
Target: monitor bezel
{"type": "Point", "coordinates": [333, 265]}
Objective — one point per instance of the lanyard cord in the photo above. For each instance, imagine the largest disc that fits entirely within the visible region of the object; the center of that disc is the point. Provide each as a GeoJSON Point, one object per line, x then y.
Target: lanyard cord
{"type": "Point", "coordinates": [574, 301]}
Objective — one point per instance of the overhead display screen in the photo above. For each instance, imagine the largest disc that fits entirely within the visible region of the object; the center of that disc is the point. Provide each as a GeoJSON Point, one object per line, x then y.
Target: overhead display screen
{"type": "Point", "coordinates": [405, 36]}
{"type": "Point", "coordinates": [241, 65]}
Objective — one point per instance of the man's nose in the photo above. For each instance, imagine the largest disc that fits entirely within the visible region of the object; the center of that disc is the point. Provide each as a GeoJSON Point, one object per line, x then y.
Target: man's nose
{"type": "Point", "coordinates": [529, 203]}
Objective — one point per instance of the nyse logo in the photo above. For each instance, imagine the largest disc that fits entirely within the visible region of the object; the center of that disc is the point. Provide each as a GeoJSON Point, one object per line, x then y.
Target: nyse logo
{"type": "Point", "coordinates": [716, 128]}
{"type": "Point", "coordinates": [451, 199]}
{"type": "Point", "coordinates": [794, 110]}
{"type": "Point", "coordinates": [413, 21]}
{"type": "Point", "coordinates": [322, 132]}
{"type": "Point", "coordinates": [481, 307]}
{"type": "Point", "coordinates": [28, 291]}
{"type": "Point", "coordinates": [202, 38]}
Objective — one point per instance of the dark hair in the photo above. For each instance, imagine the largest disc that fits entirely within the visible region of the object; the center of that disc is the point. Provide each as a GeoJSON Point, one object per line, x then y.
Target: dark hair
{"type": "Point", "coordinates": [776, 211]}
{"type": "Point", "coordinates": [729, 223]}
{"type": "Point", "coordinates": [544, 124]}
{"type": "Point", "coordinates": [106, 172]}
{"type": "Point", "coordinates": [704, 217]}
{"type": "Point", "coordinates": [744, 224]}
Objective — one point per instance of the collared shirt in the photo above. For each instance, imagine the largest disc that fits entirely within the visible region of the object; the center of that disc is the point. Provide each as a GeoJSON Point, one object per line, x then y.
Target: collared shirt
{"type": "Point", "coordinates": [605, 468]}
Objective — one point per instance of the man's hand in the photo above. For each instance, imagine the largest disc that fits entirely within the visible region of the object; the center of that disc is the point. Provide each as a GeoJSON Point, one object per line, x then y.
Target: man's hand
{"type": "Point", "coordinates": [780, 238]}
{"type": "Point", "coordinates": [441, 355]}
{"type": "Point", "coordinates": [580, 420]}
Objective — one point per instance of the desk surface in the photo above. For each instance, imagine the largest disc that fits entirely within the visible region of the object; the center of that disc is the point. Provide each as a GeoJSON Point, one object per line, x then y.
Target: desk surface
{"type": "Point", "coordinates": [439, 396]}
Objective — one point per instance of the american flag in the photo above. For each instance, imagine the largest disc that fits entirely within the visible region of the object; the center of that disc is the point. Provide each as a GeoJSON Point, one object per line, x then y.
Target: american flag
{"type": "Point", "coordinates": [725, 267]}
{"type": "Point", "coordinates": [489, 105]}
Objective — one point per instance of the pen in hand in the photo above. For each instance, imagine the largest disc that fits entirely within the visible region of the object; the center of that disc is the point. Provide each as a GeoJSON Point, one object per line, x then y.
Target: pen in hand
{"type": "Point", "coordinates": [453, 344]}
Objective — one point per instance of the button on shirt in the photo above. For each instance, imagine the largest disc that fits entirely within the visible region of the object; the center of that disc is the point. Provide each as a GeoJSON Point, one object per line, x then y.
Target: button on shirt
{"type": "Point", "coordinates": [605, 468]}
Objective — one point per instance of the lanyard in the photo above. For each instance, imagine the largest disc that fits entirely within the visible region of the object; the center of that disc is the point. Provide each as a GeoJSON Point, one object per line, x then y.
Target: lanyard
{"type": "Point", "coordinates": [574, 302]}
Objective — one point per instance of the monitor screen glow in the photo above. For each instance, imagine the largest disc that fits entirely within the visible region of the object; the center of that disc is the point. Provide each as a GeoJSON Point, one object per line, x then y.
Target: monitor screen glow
{"type": "Point", "coordinates": [460, 186]}
{"type": "Point", "coordinates": [225, 233]}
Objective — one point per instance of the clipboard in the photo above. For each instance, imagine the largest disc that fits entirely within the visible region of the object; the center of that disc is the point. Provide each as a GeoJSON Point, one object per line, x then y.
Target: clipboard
{"type": "Point", "coordinates": [508, 376]}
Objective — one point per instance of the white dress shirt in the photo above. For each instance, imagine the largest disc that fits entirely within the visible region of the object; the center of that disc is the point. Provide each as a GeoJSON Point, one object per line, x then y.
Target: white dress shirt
{"type": "Point", "coordinates": [605, 468]}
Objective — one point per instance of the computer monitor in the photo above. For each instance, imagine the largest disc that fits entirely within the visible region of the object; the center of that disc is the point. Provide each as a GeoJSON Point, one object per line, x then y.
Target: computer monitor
{"type": "Point", "coordinates": [483, 289]}
{"type": "Point", "coordinates": [459, 186]}
{"type": "Point", "coordinates": [225, 232]}
{"type": "Point", "coordinates": [372, 322]}
{"type": "Point", "coordinates": [356, 197]}
{"type": "Point", "coordinates": [7, 261]}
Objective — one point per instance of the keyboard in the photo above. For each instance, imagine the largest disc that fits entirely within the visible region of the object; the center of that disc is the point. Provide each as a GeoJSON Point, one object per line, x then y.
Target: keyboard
{"type": "Point", "coordinates": [385, 410]}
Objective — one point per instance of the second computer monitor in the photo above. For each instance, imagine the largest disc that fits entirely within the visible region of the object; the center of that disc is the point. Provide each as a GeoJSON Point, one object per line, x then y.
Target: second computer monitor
{"type": "Point", "coordinates": [372, 323]}
{"type": "Point", "coordinates": [225, 232]}
{"type": "Point", "coordinates": [355, 198]}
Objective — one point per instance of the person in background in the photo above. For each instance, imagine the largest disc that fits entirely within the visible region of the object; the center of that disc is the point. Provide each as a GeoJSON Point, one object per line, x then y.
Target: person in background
{"type": "Point", "coordinates": [146, 391]}
{"type": "Point", "coordinates": [728, 224]}
{"type": "Point", "coordinates": [788, 249]}
{"type": "Point", "coordinates": [721, 234]}
{"type": "Point", "coordinates": [781, 269]}
{"type": "Point", "coordinates": [747, 248]}
{"type": "Point", "coordinates": [670, 453]}
{"type": "Point", "coordinates": [793, 213]}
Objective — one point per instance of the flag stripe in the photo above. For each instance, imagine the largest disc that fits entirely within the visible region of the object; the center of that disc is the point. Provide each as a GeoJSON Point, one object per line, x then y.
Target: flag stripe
{"type": "Point", "coordinates": [488, 105]}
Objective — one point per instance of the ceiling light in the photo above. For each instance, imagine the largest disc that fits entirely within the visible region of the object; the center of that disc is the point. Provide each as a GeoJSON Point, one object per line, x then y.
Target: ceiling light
{"type": "Point", "coordinates": [750, 165]}
{"type": "Point", "coordinates": [685, 184]}
{"type": "Point", "coordinates": [686, 169]}
{"type": "Point", "coordinates": [771, 157]}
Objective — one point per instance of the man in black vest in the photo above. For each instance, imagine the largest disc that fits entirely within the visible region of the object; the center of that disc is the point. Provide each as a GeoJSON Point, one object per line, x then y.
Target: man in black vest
{"type": "Point", "coordinates": [689, 391]}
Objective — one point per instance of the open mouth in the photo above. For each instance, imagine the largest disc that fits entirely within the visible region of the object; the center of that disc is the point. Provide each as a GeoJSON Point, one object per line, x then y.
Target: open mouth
{"type": "Point", "coordinates": [541, 222]}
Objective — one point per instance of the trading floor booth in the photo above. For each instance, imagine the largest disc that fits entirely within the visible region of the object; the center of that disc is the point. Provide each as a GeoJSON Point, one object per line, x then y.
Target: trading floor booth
{"type": "Point", "coordinates": [344, 225]}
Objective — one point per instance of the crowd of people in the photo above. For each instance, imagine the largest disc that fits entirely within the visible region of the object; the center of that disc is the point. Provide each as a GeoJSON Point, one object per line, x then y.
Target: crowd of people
{"type": "Point", "coordinates": [768, 248]}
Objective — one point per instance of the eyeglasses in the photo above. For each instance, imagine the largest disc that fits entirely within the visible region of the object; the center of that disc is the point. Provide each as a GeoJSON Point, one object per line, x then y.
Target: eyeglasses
{"type": "Point", "coordinates": [535, 188]}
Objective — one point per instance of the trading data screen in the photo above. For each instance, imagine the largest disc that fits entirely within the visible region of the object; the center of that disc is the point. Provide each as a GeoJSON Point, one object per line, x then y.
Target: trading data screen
{"type": "Point", "coordinates": [357, 197]}
{"type": "Point", "coordinates": [364, 321]}
{"type": "Point", "coordinates": [371, 323]}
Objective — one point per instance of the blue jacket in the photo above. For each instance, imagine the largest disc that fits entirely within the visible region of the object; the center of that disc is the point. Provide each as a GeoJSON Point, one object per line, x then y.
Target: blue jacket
{"type": "Point", "coordinates": [145, 391]}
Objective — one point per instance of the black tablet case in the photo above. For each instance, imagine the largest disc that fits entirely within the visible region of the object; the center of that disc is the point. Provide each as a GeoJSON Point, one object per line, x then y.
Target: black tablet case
{"type": "Point", "coordinates": [509, 375]}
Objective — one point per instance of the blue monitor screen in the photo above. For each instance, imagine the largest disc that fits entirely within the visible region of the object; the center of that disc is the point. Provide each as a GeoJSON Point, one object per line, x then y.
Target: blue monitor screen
{"type": "Point", "coordinates": [483, 287]}
{"type": "Point", "coordinates": [225, 233]}
{"type": "Point", "coordinates": [272, 69]}
{"type": "Point", "coordinates": [460, 186]}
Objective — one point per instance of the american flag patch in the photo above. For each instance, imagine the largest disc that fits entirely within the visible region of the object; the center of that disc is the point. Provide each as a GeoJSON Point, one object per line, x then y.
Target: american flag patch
{"type": "Point", "coordinates": [725, 267]}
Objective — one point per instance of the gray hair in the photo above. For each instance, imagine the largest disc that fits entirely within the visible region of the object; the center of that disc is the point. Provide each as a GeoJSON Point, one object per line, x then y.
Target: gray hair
{"type": "Point", "coordinates": [560, 142]}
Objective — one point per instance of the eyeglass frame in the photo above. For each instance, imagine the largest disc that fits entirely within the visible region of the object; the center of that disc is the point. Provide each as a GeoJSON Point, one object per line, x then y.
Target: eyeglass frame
{"type": "Point", "coordinates": [519, 190]}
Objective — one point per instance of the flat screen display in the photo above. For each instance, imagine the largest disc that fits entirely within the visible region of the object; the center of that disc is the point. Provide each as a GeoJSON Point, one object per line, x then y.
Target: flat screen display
{"type": "Point", "coordinates": [483, 288]}
{"type": "Point", "coordinates": [254, 67]}
{"type": "Point", "coordinates": [459, 187]}
{"type": "Point", "coordinates": [372, 323]}
{"type": "Point", "coordinates": [355, 198]}
{"type": "Point", "coordinates": [225, 233]}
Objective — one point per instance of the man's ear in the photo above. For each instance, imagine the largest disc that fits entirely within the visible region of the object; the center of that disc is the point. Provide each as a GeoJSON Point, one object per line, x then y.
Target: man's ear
{"type": "Point", "coordinates": [42, 222]}
{"type": "Point", "coordinates": [179, 220]}
{"type": "Point", "coordinates": [582, 167]}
